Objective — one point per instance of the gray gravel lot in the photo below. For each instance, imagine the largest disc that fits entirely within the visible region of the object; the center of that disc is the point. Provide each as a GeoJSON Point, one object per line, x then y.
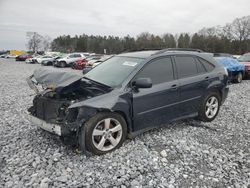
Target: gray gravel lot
{"type": "Point", "coordinates": [183, 154]}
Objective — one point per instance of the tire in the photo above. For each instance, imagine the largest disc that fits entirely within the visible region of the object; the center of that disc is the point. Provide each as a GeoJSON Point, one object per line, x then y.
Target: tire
{"type": "Point", "coordinates": [99, 135]}
{"type": "Point", "coordinates": [62, 64]}
{"type": "Point", "coordinates": [238, 78]}
{"type": "Point", "coordinates": [204, 114]}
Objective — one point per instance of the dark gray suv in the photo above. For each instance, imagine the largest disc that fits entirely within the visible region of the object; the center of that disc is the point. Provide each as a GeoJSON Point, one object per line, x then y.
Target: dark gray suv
{"type": "Point", "coordinates": [128, 94]}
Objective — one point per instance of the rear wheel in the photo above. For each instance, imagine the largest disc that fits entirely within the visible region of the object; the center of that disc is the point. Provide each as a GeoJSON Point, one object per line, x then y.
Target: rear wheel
{"type": "Point", "coordinates": [104, 132]}
{"type": "Point", "coordinates": [210, 107]}
{"type": "Point", "coordinates": [239, 78]}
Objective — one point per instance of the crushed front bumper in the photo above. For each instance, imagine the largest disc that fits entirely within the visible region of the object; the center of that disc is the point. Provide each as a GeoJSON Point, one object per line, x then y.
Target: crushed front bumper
{"type": "Point", "coordinates": [52, 128]}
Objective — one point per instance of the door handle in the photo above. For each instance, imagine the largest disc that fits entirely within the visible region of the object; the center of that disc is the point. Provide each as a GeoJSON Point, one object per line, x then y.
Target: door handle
{"type": "Point", "coordinates": [174, 86]}
{"type": "Point", "coordinates": [207, 78]}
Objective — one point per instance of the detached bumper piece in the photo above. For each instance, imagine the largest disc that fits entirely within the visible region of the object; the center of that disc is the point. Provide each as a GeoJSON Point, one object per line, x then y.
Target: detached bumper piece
{"type": "Point", "coordinates": [52, 128]}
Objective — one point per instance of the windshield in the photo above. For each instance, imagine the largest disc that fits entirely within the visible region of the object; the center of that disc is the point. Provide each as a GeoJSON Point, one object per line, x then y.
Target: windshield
{"type": "Point", "coordinates": [244, 58]}
{"type": "Point", "coordinates": [114, 71]}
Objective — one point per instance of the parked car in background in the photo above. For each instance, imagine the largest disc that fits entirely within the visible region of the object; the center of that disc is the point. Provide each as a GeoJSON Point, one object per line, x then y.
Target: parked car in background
{"type": "Point", "coordinates": [92, 59]}
{"type": "Point", "coordinates": [126, 95]}
{"type": "Point", "coordinates": [8, 56]}
{"type": "Point", "coordinates": [29, 60]}
{"type": "Point", "coordinates": [236, 56]}
{"type": "Point", "coordinates": [33, 58]}
{"type": "Point", "coordinates": [245, 60]}
{"type": "Point", "coordinates": [68, 60]}
{"type": "Point", "coordinates": [23, 57]}
{"type": "Point", "coordinates": [99, 61]}
{"type": "Point", "coordinates": [88, 67]}
{"type": "Point", "coordinates": [82, 63]}
{"type": "Point", "coordinates": [50, 61]}
{"type": "Point", "coordinates": [39, 59]}
{"type": "Point", "coordinates": [235, 70]}
{"type": "Point", "coordinates": [79, 64]}
{"type": "Point", "coordinates": [3, 55]}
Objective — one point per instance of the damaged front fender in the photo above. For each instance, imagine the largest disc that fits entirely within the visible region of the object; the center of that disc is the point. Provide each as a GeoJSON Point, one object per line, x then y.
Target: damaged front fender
{"type": "Point", "coordinates": [114, 102]}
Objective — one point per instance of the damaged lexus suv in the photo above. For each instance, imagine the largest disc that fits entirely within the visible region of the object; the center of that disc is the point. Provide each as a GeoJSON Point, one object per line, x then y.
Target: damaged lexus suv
{"type": "Point", "coordinates": [127, 95]}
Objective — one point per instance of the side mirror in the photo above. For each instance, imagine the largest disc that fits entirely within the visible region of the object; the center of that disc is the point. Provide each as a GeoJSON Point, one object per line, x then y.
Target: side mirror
{"type": "Point", "coordinates": [143, 83]}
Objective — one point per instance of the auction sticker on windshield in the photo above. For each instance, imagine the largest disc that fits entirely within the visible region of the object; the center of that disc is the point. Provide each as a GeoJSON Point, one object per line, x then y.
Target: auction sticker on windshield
{"type": "Point", "coordinates": [130, 63]}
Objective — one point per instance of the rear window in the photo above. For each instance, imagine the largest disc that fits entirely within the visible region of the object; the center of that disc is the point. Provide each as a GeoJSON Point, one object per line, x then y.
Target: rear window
{"type": "Point", "coordinates": [200, 67]}
{"type": "Point", "coordinates": [209, 66]}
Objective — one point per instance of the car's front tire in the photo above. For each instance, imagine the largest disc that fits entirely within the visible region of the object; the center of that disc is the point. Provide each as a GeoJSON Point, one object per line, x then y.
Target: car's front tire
{"type": "Point", "coordinates": [104, 132]}
{"type": "Point", "coordinates": [210, 107]}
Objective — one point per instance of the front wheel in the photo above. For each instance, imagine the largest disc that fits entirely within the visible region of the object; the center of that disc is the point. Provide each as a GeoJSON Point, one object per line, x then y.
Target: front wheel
{"type": "Point", "coordinates": [210, 107]}
{"type": "Point", "coordinates": [104, 132]}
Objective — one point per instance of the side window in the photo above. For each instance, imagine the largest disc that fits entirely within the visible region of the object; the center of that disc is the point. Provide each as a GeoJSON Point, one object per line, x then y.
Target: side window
{"type": "Point", "coordinates": [160, 70]}
{"type": "Point", "coordinates": [71, 56]}
{"type": "Point", "coordinates": [186, 66]}
{"type": "Point", "coordinates": [208, 66]}
{"type": "Point", "coordinates": [201, 68]}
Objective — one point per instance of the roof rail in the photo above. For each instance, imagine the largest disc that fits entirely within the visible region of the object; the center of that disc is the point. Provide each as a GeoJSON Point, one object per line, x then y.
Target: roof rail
{"type": "Point", "coordinates": [142, 49]}
{"type": "Point", "coordinates": [178, 49]}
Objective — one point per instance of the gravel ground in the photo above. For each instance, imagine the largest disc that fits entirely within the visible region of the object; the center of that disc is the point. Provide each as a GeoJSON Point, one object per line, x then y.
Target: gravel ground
{"type": "Point", "coordinates": [183, 154]}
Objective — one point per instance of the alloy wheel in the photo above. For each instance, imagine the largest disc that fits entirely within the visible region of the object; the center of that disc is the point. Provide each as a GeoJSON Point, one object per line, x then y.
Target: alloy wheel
{"type": "Point", "coordinates": [212, 106]}
{"type": "Point", "coordinates": [107, 134]}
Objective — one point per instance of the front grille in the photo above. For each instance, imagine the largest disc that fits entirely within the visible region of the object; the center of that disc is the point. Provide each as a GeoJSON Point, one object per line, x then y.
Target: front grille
{"type": "Point", "coordinates": [47, 109]}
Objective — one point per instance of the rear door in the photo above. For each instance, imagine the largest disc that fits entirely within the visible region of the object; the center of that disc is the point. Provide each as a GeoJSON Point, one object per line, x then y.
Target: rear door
{"type": "Point", "coordinates": [156, 105]}
{"type": "Point", "coordinates": [194, 80]}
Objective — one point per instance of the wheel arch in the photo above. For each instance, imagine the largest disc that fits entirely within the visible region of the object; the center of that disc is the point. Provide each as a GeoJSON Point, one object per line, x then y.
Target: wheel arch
{"type": "Point", "coordinates": [85, 113]}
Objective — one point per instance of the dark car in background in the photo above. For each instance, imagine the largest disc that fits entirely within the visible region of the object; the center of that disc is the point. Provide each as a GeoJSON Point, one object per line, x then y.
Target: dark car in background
{"type": "Point", "coordinates": [245, 60]}
{"type": "Point", "coordinates": [23, 57]}
{"type": "Point", "coordinates": [128, 94]}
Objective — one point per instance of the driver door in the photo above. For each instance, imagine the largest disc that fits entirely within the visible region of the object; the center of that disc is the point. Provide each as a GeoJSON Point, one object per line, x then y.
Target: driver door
{"type": "Point", "coordinates": [158, 104]}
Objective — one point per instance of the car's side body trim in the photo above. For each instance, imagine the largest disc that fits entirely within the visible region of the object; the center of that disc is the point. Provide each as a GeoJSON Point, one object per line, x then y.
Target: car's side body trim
{"type": "Point", "coordinates": [141, 113]}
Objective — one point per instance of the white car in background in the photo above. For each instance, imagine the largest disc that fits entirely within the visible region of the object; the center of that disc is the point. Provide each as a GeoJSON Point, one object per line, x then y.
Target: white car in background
{"type": "Point", "coordinates": [69, 59]}
{"type": "Point", "coordinates": [39, 59]}
{"type": "Point", "coordinates": [10, 56]}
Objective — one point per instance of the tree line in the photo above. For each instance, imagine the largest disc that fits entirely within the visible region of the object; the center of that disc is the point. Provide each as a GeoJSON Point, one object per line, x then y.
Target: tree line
{"type": "Point", "coordinates": [233, 38]}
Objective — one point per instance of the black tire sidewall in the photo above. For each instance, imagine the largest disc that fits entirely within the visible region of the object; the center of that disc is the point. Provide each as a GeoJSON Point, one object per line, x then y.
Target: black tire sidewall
{"type": "Point", "coordinates": [90, 125]}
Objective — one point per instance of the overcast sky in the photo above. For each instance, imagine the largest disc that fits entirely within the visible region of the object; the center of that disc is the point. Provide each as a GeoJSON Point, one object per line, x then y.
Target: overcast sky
{"type": "Point", "coordinates": [111, 17]}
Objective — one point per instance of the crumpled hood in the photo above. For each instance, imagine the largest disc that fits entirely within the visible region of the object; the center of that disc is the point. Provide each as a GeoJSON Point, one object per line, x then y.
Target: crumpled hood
{"type": "Point", "coordinates": [54, 79]}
